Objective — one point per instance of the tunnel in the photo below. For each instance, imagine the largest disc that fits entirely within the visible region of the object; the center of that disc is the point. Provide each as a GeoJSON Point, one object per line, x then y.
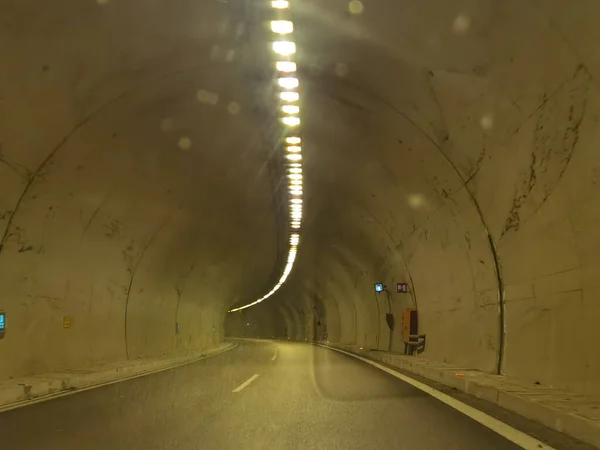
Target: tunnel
{"type": "Point", "coordinates": [450, 147]}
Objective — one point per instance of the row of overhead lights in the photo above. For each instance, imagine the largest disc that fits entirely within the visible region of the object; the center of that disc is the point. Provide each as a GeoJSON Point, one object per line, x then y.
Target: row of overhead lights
{"type": "Point", "coordinates": [289, 99]}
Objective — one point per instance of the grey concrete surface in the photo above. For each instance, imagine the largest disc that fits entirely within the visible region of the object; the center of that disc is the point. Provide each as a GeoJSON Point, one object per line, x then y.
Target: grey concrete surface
{"type": "Point", "coordinates": [572, 414]}
{"type": "Point", "coordinates": [26, 391]}
{"type": "Point", "coordinates": [307, 398]}
{"type": "Point", "coordinates": [449, 144]}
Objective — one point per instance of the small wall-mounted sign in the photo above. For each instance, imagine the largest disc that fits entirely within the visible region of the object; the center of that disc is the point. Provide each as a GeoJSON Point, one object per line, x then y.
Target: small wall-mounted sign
{"type": "Point", "coordinates": [66, 322]}
{"type": "Point", "coordinates": [379, 287]}
{"type": "Point", "coordinates": [402, 288]}
{"type": "Point", "coordinates": [2, 324]}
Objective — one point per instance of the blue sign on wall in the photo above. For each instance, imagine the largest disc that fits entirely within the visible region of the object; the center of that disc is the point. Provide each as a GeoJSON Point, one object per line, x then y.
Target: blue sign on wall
{"type": "Point", "coordinates": [2, 324]}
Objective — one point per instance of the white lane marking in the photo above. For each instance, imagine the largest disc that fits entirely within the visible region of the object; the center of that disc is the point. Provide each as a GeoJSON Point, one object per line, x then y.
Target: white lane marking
{"type": "Point", "coordinates": [512, 434]}
{"type": "Point", "coordinates": [246, 383]}
{"type": "Point", "coordinates": [275, 355]}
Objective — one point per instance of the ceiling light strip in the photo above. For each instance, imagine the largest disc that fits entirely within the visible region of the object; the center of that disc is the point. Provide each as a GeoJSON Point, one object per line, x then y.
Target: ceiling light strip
{"type": "Point", "coordinates": [285, 48]}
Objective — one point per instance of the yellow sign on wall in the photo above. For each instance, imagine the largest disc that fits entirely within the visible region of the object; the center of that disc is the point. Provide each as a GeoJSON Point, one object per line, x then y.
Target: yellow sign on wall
{"type": "Point", "coordinates": [66, 322]}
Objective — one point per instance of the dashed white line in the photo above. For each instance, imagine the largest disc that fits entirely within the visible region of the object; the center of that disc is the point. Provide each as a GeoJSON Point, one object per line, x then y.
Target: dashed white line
{"type": "Point", "coordinates": [275, 356]}
{"type": "Point", "coordinates": [246, 383]}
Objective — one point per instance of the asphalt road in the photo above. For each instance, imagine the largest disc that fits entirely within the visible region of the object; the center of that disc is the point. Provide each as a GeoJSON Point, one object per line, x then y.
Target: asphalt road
{"type": "Point", "coordinates": [258, 396]}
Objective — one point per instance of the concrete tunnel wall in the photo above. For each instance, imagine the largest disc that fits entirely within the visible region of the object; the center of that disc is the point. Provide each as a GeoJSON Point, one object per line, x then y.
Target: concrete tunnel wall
{"type": "Point", "coordinates": [120, 206]}
{"type": "Point", "coordinates": [452, 145]}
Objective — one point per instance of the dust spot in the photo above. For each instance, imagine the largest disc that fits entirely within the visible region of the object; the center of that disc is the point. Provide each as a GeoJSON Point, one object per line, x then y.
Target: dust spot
{"type": "Point", "coordinates": [207, 97]}
{"type": "Point", "coordinates": [167, 124]}
{"type": "Point", "coordinates": [234, 108]}
{"type": "Point", "coordinates": [230, 55]}
{"type": "Point", "coordinates": [487, 122]}
{"type": "Point", "coordinates": [356, 7]}
{"type": "Point", "coordinates": [461, 24]}
{"type": "Point", "coordinates": [416, 201]}
{"type": "Point", "coordinates": [341, 69]}
{"type": "Point", "coordinates": [185, 143]}
{"type": "Point", "coordinates": [215, 52]}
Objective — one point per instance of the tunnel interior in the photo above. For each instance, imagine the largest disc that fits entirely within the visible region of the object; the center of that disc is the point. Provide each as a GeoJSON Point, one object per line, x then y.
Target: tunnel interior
{"type": "Point", "coordinates": [448, 145]}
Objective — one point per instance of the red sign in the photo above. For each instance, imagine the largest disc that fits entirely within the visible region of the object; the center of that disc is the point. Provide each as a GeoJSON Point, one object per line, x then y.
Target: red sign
{"type": "Point", "coordinates": [402, 288]}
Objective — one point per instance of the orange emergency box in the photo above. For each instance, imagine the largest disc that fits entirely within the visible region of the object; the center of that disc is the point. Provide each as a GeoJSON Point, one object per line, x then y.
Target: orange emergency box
{"type": "Point", "coordinates": [410, 324]}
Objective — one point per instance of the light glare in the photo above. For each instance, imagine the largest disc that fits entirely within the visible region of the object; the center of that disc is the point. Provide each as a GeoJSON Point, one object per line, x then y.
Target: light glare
{"type": "Point", "coordinates": [280, 4]}
{"type": "Point", "coordinates": [291, 121]}
{"type": "Point", "coordinates": [282, 26]}
{"type": "Point", "coordinates": [286, 66]}
{"type": "Point", "coordinates": [288, 83]}
{"type": "Point", "coordinates": [284, 48]}
{"type": "Point", "coordinates": [290, 109]}
{"type": "Point", "coordinates": [289, 96]}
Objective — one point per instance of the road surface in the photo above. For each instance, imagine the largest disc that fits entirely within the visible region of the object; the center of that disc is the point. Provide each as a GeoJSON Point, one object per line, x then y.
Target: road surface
{"type": "Point", "coordinates": [260, 395]}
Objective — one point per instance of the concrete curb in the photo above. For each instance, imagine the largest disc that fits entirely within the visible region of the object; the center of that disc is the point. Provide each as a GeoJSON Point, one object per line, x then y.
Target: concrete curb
{"type": "Point", "coordinates": [575, 415]}
{"type": "Point", "coordinates": [40, 388]}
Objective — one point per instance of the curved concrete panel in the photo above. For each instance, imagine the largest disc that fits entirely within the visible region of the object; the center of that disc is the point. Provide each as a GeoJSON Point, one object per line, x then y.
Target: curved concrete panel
{"type": "Point", "coordinates": [450, 145]}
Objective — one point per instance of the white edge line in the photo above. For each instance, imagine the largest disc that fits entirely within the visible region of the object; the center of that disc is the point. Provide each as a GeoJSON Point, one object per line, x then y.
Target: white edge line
{"type": "Point", "coordinates": [275, 355]}
{"type": "Point", "coordinates": [246, 383]}
{"type": "Point", "coordinates": [59, 394]}
{"type": "Point", "coordinates": [512, 434]}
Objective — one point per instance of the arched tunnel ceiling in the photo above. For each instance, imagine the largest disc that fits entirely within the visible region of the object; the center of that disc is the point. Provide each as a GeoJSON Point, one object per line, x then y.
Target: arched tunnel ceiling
{"type": "Point", "coordinates": [451, 145]}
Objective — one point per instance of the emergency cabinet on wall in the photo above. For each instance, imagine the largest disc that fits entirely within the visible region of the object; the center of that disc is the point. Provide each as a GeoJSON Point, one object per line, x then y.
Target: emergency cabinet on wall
{"type": "Point", "coordinates": [410, 324]}
{"type": "Point", "coordinates": [414, 342]}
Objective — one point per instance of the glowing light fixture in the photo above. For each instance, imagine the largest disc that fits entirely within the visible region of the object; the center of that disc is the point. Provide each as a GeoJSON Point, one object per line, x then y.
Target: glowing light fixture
{"type": "Point", "coordinates": [291, 121]}
{"type": "Point", "coordinates": [289, 96]}
{"type": "Point", "coordinates": [290, 109]}
{"type": "Point", "coordinates": [286, 66]}
{"type": "Point", "coordinates": [288, 83]}
{"type": "Point", "coordinates": [280, 4]}
{"type": "Point", "coordinates": [284, 48]}
{"type": "Point", "coordinates": [282, 26]}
